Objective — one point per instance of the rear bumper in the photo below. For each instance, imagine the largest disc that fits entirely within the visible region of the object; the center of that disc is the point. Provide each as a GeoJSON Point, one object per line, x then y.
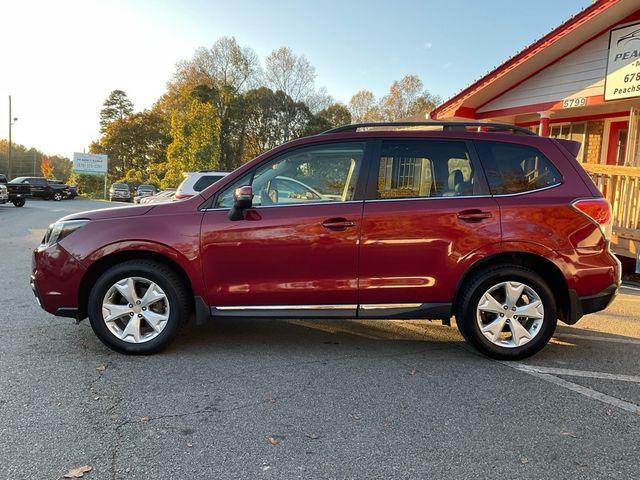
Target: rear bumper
{"type": "Point", "coordinates": [581, 306]}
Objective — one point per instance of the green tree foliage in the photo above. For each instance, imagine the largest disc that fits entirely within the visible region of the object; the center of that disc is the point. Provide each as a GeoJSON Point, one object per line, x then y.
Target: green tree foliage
{"type": "Point", "coordinates": [272, 118]}
{"type": "Point", "coordinates": [195, 146]}
{"type": "Point", "coordinates": [136, 146]}
{"type": "Point", "coordinates": [221, 109]}
{"type": "Point", "coordinates": [117, 106]}
{"type": "Point", "coordinates": [333, 116]}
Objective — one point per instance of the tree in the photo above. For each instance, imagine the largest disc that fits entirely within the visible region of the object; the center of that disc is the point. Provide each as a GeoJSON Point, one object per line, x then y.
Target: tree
{"type": "Point", "coordinates": [138, 142]}
{"type": "Point", "coordinates": [195, 144]}
{"type": "Point", "coordinates": [117, 106]}
{"type": "Point", "coordinates": [363, 107]}
{"type": "Point", "coordinates": [217, 76]}
{"type": "Point", "coordinates": [46, 168]}
{"type": "Point", "coordinates": [406, 98]}
{"type": "Point", "coordinates": [333, 116]}
{"type": "Point", "coordinates": [290, 73]}
{"type": "Point", "coordinates": [272, 119]}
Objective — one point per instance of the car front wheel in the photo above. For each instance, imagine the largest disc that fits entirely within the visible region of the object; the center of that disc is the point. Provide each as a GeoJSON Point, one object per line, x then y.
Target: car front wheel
{"type": "Point", "coordinates": [137, 306]}
{"type": "Point", "coordinates": [57, 196]}
{"type": "Point", "coordinates": [19, 202]}
{"type": "Point", "coordinates": [507, 312]}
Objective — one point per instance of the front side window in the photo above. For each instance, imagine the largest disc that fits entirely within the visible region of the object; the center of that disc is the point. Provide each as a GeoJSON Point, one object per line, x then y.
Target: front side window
{"type": "Point", "coordinates": [424, 168]}
{"type": "Point", "coordinates": [315, 174]}
{"type": "Point", "coordinates": [512, 168]}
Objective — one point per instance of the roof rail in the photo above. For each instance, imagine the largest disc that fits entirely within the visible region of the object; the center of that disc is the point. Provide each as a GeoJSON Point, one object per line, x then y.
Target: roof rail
{"type": "Point", "coordinates": [493, 127]}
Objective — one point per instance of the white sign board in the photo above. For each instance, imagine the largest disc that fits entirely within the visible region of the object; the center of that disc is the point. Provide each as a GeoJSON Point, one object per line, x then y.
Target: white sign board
{"type": "Point", "coordinates": [623, 64]}
{"type": "Point", "coordinates": [90, 163]}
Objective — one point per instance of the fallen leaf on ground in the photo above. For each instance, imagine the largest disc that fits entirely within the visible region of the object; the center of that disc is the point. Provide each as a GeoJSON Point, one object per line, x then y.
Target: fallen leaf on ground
{"type": "Point", "coordinates": [638, 412]}
{"type": "Point", "coordinates": [189, 444]}
{"type": "Point", "coordinates": [146, 418]}
{"type": "Point", "coordinates": [273, 441]}
{"type": "Point", "coordinates": [413, 371]}
{"type": "Point", "coordinates": [102, 367]}
{"type": "Point", "coordinates": [78, 472]}
{"type": "Point", "coordinates": [569, 434]}
{"type": "Point", "coordinates": [524, 460]}
{"type": "Point", "coordinates": [609, 412]}
{"type": "Point", "coordinates": [313, 436]}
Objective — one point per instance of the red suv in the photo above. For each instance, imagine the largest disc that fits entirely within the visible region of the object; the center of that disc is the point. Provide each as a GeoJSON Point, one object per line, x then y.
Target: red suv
{"type": "Point", "coordinates": [488, 223]}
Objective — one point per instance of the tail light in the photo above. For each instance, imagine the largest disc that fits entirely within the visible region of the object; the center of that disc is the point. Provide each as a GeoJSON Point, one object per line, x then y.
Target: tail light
{"type": "Point", "coordinates": [180, 196]}
{"type": "Point", "coordinates": [598, 210]}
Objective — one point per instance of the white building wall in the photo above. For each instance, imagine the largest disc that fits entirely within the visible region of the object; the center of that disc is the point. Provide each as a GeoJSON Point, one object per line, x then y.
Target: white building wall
{"type": "Point", "coordinates": [579, 74]}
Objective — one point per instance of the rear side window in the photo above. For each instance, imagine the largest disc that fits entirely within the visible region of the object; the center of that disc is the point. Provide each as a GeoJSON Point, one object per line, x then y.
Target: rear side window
{"type": "Point", "coordinates": [512, 168]}
{"type": "Point", "coordinates": [206, 180]}
{"type": "Point", "coordinates": [425, 168]}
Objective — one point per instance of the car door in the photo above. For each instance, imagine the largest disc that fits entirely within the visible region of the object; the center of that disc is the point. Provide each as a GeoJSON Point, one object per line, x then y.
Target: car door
{"type": "Point", "coordinates": [428, 214]}
{"type": "Point", "coordinates": [293, 254]}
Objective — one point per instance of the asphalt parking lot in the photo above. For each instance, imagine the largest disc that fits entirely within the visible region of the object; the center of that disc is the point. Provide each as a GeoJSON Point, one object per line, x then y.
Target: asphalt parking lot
{"type": "Point", "coordinates": [302, 399]}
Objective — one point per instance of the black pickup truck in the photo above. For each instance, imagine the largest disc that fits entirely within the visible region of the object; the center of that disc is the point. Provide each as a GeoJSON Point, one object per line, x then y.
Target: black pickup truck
{"type": "Point", "coordinates": [44, 187]}
{"type": "Point", "coordinates": [18, 193]}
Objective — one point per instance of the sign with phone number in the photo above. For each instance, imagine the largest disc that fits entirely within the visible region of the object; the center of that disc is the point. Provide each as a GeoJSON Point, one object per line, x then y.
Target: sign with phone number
{"type": "Point", "coordinates": [623, 64]}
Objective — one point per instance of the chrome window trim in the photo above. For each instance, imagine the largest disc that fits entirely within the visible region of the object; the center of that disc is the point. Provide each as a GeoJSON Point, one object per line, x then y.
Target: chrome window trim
{"type": "Point", "coordinates": [457, 197]}
{"type": "Point", "coordinates": [285, 307]}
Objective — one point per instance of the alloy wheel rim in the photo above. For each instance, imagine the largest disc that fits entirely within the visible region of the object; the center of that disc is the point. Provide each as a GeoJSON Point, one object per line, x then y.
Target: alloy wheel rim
{"type": "Point", "coordinates": [135, 310]}
{"type": "Point", "coordinates": [510, 314]}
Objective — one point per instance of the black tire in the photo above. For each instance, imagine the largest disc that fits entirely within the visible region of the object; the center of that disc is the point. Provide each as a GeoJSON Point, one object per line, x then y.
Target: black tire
{"type": "Point", "coordinates": [475, 288]}
{"type": "Point", "coordinates": [19, 202]}
{"type": "Point", "coordinates": [177, 296]}
{"type": "Point", "coordinates": [57, 196]}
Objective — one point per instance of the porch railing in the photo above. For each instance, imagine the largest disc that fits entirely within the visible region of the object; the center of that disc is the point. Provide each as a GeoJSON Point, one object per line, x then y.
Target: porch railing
{"type": "Point", "coordinates": [621, 186]}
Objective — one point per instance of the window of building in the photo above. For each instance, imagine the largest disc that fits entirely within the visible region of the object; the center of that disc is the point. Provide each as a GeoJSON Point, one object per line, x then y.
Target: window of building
{"type": "Point", "coordinates": [512, 168]}
{"type": "Point", "coordinates": [571, 131]}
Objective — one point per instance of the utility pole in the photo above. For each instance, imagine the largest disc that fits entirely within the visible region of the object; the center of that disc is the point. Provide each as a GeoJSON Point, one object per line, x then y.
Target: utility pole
{"type": "Point", "coordinates": [10, 120]}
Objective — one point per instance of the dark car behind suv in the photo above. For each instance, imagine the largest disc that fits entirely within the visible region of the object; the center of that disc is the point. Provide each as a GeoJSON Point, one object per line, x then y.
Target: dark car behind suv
{"type": "Point", "coordinates": [487, 223]}
{"type": "Point", "coordinates": [45, 188]}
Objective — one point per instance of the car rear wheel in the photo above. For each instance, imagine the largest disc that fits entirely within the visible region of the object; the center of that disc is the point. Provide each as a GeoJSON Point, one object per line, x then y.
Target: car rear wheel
{"type": "Point", "coordinates": [137, 306]}
{"type": "Point", "coordinates": [507, 312]}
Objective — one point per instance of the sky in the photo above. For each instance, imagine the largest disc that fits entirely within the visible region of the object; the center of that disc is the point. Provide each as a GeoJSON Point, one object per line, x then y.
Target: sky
{"type": "Point", "coordinates": [59, 60]}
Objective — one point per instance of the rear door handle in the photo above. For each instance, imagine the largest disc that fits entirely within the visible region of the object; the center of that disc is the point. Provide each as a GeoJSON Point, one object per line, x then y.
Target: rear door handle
{"type": "Point", "coordinates": [474, 215]}
{"type": "Point", "coordinates": [338, 224]}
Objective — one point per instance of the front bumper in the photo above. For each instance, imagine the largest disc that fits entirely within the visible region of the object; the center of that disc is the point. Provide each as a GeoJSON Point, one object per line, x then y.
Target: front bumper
{"type": "Point", "coordinates": [55, 280]}
{"type": "Point", "coordinates": [581, 306]}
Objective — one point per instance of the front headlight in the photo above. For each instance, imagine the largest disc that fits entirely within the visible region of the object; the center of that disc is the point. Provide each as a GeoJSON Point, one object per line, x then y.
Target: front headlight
{"type": "Point", "coordinates": [57, 231]}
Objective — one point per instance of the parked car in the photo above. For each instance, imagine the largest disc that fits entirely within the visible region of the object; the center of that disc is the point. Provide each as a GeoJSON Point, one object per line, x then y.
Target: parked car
{"type": "Point", "coordinates": [195, 182]}
{"type": "Point", "coordinates": [17, 193]}
{"type": "Point", "coordinates": [143, 191]}
{"type": "Point", "coordinates": [119, 192]}
{"type": "Point", "coordinates": [167, 195]}
{"type": "Point", "coordinates": [4, 194]}
{"type": "Point", "coordinates": [499, 228]}
{"type": "Point", "coordinates": [46, 188]}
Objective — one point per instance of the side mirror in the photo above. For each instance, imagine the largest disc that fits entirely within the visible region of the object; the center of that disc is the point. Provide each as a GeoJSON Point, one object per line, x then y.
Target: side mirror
{"type": "Point", "coordinates": [242, 200]}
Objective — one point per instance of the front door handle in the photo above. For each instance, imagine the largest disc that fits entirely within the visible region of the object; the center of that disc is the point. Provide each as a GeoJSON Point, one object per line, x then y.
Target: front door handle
{"type": "Point", "coordinates": [338, 224]}
{"type": "Point", "coordinates": [474, 215]}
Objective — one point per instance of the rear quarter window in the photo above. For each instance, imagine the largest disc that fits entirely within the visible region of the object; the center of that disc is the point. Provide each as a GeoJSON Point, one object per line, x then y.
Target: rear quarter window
{"type": "Point", "coordinates": [206, 180]}
{"type": "Point", "coordinates": [512, 168]}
